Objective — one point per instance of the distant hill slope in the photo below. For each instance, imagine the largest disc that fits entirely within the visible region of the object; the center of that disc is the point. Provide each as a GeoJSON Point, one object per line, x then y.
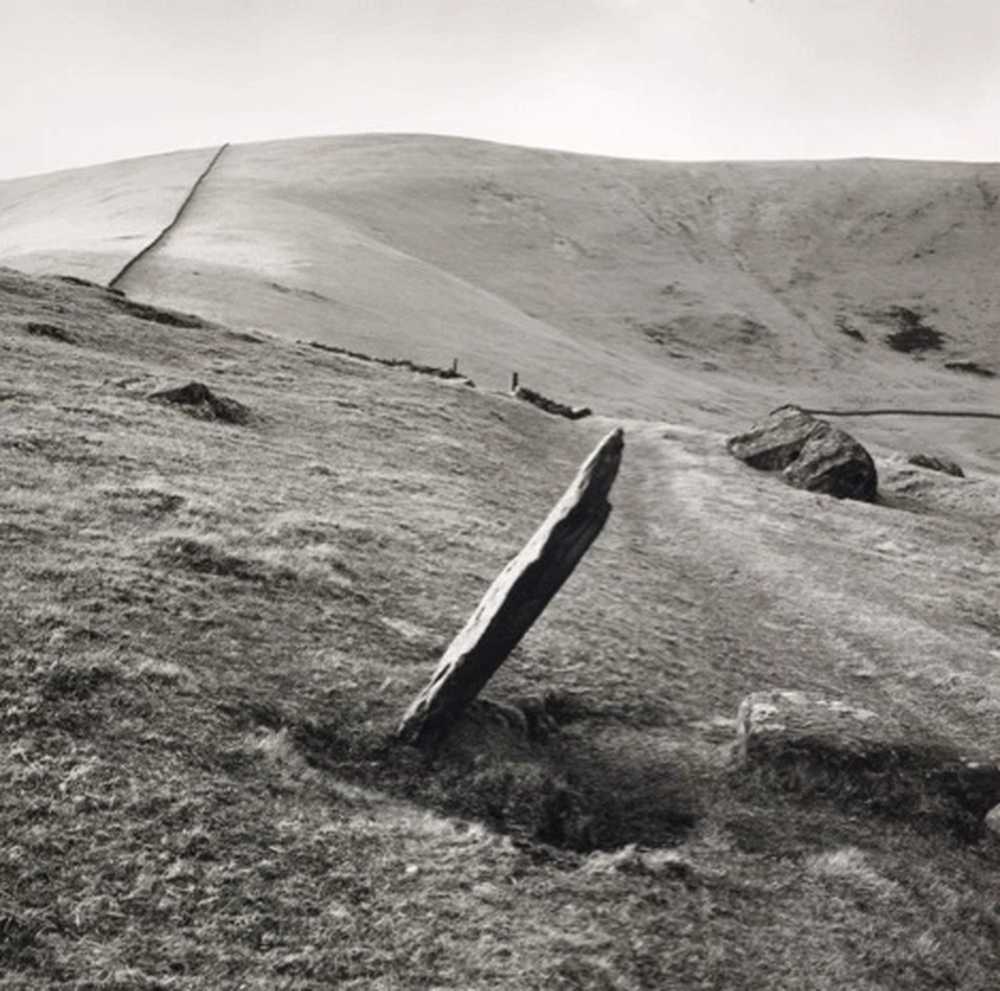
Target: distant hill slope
{"type": "Point", "coordinates": [641, 288]}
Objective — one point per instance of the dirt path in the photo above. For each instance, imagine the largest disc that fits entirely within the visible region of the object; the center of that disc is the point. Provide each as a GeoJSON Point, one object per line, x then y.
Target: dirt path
{"type": "Point", "coordinates": [755, 586]}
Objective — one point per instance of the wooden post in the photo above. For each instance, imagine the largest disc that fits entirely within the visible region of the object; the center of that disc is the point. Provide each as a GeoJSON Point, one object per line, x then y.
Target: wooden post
{"type": "Point", "coordinates": [454, 365]}
{"type": "Point", "coordinates": [517, 597]}
{"type": "Point", "coordinates": [513, 381]}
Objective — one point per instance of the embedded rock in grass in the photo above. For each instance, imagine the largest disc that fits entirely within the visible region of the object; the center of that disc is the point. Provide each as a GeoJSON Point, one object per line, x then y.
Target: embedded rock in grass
{"type": "Point", "coordinates": [936, 463]}
{"type": "Point", "coordinates": [827, 748]}
{"type": "Point", "coordinates": [198, 400]}
{"type": "Point", "coordinates": [811, 453]}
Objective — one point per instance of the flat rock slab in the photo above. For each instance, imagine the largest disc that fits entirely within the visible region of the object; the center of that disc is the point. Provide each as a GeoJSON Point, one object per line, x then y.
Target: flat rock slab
{"type": "Point", "coordinates": [518, 596]}
{"type": "Point", "coordinates": [811, 454]}
{"type": "Point", "coordinates": [827, 748]}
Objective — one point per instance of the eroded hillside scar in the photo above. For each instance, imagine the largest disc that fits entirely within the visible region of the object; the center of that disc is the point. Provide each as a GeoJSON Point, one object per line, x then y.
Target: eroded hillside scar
{"type": "Point", "coordinates": [518, 596]}
{"type": "Point", "coordinates": [178, 216]}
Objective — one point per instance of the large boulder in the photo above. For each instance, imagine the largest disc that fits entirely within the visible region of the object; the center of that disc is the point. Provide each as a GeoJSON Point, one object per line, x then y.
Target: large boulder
{"type": "Point", "coordinates": [775, 442]}
{"type": "Point", "coordinates": [833, 462]}
{"type": "Point", "coordinates": [811, 453]}
{"type": "Point", "coordinates": [826, 748]}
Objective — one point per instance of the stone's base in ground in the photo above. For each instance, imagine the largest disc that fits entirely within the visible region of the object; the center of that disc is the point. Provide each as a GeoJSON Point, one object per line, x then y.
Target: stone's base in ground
{"type": "Point", "coordinates": [825, 748]}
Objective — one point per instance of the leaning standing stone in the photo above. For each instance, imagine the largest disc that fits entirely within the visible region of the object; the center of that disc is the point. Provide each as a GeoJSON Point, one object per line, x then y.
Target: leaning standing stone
{"type": "Point", "coordinates": [518, 596]}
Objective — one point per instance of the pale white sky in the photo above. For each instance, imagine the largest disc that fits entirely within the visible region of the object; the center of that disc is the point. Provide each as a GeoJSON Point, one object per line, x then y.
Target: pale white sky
{"type": "Point", "coordinates": [85, 81]}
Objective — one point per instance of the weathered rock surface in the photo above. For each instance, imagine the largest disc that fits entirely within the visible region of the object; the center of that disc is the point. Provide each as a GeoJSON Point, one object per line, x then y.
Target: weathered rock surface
{"type": "Point", "coordinates": [936, 463]}
{"type": "Point", "coordinates": [518, 596]}
{"type": "Point", "coordinates": [775, 442]}
{"type": "Point", "coordinates": [200, 401]}
{"type": "Point", "coordinates": [833, 462]}
{"type": "Point", "coordinates": [811, 453]}
{"type": "Point", "coordinates": [827, 748]}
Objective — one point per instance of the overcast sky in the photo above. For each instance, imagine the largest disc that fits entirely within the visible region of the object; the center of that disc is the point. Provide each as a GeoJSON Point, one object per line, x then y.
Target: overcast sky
{"type": "Point", "coordinates": [85, 81]}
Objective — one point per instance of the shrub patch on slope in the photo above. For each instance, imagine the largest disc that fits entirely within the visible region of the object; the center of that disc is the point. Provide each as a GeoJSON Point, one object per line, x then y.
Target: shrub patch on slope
{"type": "Point", "coordinates": [970, 368]}
{"type": "Point", "coordinates": [913, 335]}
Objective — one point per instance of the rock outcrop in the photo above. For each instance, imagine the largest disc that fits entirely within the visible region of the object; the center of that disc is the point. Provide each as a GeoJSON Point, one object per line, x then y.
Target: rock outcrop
{"type": "Point", "coordinates": [198, 399]}
{"type": "Point", "coordinates": [811, 453]}
{"type": "Point", "coordinates": [936, 463]}
{"type": "Point", "coordinates": [831, 749]}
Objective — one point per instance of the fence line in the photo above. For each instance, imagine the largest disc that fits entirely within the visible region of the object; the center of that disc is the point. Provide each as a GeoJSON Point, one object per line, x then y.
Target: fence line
{"type": "Point", "coordinates": [126, 268]}
{"type": "Point", "coordinates": [974, 414]}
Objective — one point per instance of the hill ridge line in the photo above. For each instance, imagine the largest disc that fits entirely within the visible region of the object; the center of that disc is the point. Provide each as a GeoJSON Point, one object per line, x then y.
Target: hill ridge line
{"type": "Point", "coordinates": [158, 240]}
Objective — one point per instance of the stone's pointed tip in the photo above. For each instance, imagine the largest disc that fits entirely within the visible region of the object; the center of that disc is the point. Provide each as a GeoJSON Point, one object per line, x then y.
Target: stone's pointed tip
{"type": "Point", "coordinates": [615, 440]}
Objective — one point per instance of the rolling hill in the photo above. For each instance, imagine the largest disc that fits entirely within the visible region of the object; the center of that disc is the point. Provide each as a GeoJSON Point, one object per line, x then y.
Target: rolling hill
{"type": "Point", "coordinates": [209, 629]}
{"type": "Point", "coordinates": [677, 291]}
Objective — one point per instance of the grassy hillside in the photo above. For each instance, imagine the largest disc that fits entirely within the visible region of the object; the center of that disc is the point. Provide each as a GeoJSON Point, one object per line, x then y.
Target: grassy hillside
{"type": "Point", "coordinates": [89, 222]}
{"type": "Point", "coordinates": [666, 290]}
{"type": "Point", "coordinates": [209, 630]}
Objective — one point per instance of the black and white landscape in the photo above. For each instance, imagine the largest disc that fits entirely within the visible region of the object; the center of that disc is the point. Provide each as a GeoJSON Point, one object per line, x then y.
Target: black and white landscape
{"type": "Point", "coordinates": [285, 423]}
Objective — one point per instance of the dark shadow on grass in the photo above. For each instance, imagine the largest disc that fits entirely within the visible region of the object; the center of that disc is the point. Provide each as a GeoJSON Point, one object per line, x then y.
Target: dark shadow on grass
{"type": "Point", "coordinates": [512, 768]}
